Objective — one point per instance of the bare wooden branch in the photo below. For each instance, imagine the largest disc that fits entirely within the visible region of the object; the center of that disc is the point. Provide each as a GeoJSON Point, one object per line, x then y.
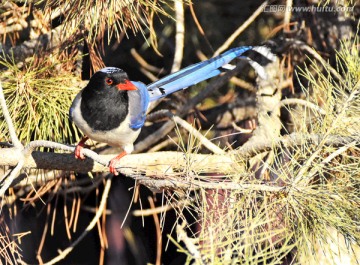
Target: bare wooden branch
{"type": "Point", "coordinates": [197, 184]}
{"type": "Point", "coordinates": [152, 164]}
{"type": "Point", "coordinates": [164, 169]}
{"type": "Point", "coordinates": [318, 57]}
{"type": "Point", "coordinates": [9, 178]}
{"type": "Point", "coordinates": [204, 141]}
{"type": "Point", "coordinates": [293, 140]}
{"type": "Point", "coordinates": [11, 128]}
{"type": "Point", "coordinates": [144, 63]}
{"type": "Point", "coordinates": [189, 243]}
{"type": "Point", "coordinates": [305, 103]}
{"type": "Point", "coordinates": [179, 36]}
{"type": "Point", "coordinates": [288, 12]}
{"type": "Point", "coordinates": [241, 29]}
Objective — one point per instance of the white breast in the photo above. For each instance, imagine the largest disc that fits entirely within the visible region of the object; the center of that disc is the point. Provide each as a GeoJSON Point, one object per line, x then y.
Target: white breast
{"type": "Point", "coordinates": [122, 136]}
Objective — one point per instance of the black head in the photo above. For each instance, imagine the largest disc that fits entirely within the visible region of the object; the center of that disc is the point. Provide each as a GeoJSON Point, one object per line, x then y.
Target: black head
{"type": "Point", "coordinates": [109, 78]}
{"type": "Point", "coordinates": [105, 99]}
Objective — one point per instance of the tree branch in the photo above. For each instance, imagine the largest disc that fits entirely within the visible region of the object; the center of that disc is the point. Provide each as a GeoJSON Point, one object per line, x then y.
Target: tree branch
{"type": "Point", "coordinates": [152, 164]}
{"type": "Point", "coordinates": [197, 184]}
{"type": "Point", "coordinates": [241, 28]}
{"type": "Point", "coordinates": [179, 36]}
{"type": "Point", "coordinates": [293, 140]}
{"type": "Point", "coordinates": [318, 57]}
{"type": "Point", "coordinates": [5, 111]}
{"type": "Point", "coordinates": [204, 141]}
{"type": "Point", "coordinates": [165, 169]}
{"type": "Point", "coordinates": [289, 101]}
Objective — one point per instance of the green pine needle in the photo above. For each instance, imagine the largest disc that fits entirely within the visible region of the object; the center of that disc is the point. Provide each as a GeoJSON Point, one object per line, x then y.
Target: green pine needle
{"type": "Point", "coordinates": [38, 96]}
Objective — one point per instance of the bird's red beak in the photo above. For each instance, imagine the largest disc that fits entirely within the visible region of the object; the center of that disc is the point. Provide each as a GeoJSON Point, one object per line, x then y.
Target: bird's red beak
{"type": "Point", "coordinates": [126, 86]}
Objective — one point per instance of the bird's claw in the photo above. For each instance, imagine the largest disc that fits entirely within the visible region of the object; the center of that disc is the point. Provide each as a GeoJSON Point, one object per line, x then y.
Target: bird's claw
{"type": "Point", "coordinates": [112, 166]}
{"type": "Point", "coordinates": [115, 162]}
{"type": "Point", "coordinates": [79, 147]}
{"type": "Point", "coordinates": [79, 152]}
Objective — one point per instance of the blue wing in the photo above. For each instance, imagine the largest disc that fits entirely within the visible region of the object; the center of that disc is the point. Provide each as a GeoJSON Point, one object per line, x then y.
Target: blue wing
{"type": "Point", "coordinates": [138, 105]}
{"type": "Point", "coordinates": [193, 74]}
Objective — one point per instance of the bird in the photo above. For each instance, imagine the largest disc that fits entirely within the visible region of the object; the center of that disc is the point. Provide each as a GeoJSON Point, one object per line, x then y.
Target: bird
{"type": "Point", "coordinates": [112, 109]}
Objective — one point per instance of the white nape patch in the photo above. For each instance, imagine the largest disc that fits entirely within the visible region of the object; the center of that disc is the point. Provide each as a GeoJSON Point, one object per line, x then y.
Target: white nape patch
{"type": "Point", "coordinates": [266, 52]}
{"type": "Point", "coordinates": [110, 70]}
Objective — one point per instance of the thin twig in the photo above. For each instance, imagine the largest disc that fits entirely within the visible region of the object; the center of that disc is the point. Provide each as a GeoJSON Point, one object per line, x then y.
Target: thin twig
{"type": "Point", "coordinates": [302, 177]}
{"type": "Point", "coordinates": [317, 56]}
{"type": "Point", "coordinates": [293, 140]}
{"type": "Point", "coordinates": [180, 184]}
{"type": "Point", "coordinates": [198, 25]}
{"type": "Point", "coordinates": [203, 140]}
{"type": "Point", "coordinates": [287, 16]}
{"type": "Point", "coordinates": [148, 74]}
{"type": "Point", "coordinates": [91, 225]}
{"type": "Point", "coordinates": [42, 241]}
{"type": "Point", "coordinates": [94, 210]}
{"type": "Point", "coordinates": [12, 175]}
{"type": "Point", "coordinates": [241, 130]}
{"type": "Point", "coordinates": [305, 103]}
{"type": "Point", "coordinates": [158, 232]}
{"type": "Point", "coordinates": [244, 25]}
{"type": "Point", "coordinates": [160, 209]}
{"type": "Point", "coordinates": [163, 144]}
{"type": "Point", "coordinates": [189, 243]}
{"type": "Point", "coordinates": [338, 152]}
{"type": "Point", "coordinates": [179, 36]}
{"type": "Point", "coordinates": [144, 63]}
{"type": "Point", "coordinates": [243, 84]}
{"type": "Point", "coordinates": [11, 128]}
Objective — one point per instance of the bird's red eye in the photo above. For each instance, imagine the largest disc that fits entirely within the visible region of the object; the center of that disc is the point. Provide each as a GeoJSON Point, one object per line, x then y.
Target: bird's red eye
{"type": "Point", "coordinates": [109, 81]}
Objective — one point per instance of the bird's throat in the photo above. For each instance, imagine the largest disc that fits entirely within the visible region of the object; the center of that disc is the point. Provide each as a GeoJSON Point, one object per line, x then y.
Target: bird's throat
{"type": "Point", "coordinates": [106, 111]}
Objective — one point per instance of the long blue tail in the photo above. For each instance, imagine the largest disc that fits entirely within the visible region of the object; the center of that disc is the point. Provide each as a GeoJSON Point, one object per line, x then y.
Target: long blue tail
{"type": "Point", "coordinates": [193, 74]}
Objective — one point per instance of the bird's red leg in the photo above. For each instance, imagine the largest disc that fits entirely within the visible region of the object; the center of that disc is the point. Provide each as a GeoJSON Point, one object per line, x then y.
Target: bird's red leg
{"type": "Point", "coordinates": [79, 146]}
{"type": "Point", "coordinates": [114, 161]}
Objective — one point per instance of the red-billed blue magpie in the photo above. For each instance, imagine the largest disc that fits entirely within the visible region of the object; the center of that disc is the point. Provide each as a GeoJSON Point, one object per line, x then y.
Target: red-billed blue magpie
{"type": "Point", "coordinates": [112, 109]}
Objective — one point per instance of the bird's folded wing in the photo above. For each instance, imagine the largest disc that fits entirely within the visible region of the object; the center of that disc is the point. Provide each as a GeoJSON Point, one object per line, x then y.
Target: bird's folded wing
{"type": "Point", "coordinates": [193, 74]}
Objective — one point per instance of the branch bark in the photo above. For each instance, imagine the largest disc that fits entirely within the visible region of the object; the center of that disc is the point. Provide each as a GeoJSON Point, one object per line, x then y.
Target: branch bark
{"type": "Point", "coordinates": [165, 169]}
{"type": "Point", "coordinates": [152, 164]}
